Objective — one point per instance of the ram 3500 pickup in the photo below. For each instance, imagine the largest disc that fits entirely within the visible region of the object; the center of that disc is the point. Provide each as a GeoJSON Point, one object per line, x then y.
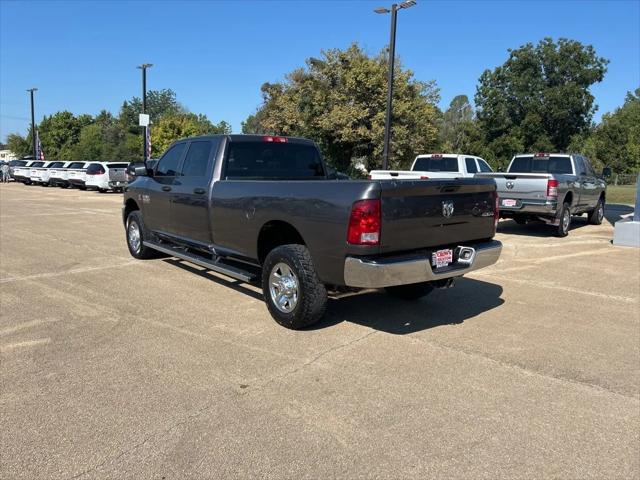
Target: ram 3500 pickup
{"type": "Point", "coordinates": [265, 208]}
{"type": "Point", "coordinates": [550, 187]}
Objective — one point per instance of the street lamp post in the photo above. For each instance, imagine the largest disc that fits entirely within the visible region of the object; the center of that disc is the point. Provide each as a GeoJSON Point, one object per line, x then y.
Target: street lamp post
{"type": "Point", "coordinates": [33, 124]}
{"type": "Point", "coordinates": [144, 67]}
{"type": "Point", "coordinates": [392, 57]}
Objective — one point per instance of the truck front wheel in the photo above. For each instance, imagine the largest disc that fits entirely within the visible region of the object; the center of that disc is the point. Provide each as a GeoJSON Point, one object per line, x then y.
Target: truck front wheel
{"type": "Point", "coordinates": [413, 291]}
{"type": "Point", "coordinates": [136, 235]}
{"type": "Point", "coordinates": [292, 291]}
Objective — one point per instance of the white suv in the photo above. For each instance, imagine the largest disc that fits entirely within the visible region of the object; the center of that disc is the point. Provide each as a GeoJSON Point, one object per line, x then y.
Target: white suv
{"type": "Point", "coordinates": [105, 176]}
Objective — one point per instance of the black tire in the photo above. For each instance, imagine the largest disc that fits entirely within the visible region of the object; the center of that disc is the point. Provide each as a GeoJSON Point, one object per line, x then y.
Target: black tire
{"type": "Point", "coordinates": [520, 220]}
{"type": "Point", "coordinates": [137, 250]}
{"type": "Point", "coordinates": [102, 190]}
{"type": "Point", "coordinates": [82, 187]}
{"type": "Point", "coordinates": [596, 215]}
{"type": "Point", "coordinates": [562, 230]}
{"type": "Point", "coordinates": [413, 291]}
{"type": "Point", "coordinates": [310, 294]}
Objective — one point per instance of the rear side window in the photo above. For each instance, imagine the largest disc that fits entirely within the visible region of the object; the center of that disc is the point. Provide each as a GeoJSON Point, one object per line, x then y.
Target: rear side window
{"type": "Point", "coordinates": [197, 159]}
{"type": "Point", "coordinates": [261, 160]}
{"type": "Point", "coordinates": [484, 166]}
{"type": "Point", "coordinates": [531, 164]}
{"type": "Point", "coordinates": [76, 165]}
{"type": "Point", "coordinates": [436, 164]}
{"type": "Point", "coordinates": [95, 169]}
{"type": "Point", "coordinates": [37, 164]}
{"type": "Point", "coordinates": [17, 163]}
{"type": "Point", "coordinates": [168, 164]}
{"type": "Point", "coordinates": [471, 165]}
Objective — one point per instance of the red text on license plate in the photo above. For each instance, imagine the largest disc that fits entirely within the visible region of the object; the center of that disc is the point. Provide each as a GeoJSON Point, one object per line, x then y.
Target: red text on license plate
{"type": "Point", "coordinates": [509, 202]}
{"type": "Point", "coordinates": [442, 258]}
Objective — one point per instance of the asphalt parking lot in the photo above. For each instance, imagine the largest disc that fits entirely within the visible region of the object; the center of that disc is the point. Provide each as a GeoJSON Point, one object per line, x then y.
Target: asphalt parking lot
{"type": "Point", "coordinates": [116, 368]}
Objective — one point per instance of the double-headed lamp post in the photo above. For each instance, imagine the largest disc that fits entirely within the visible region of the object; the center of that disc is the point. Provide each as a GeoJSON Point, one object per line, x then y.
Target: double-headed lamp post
{"type": "Point", "coordinates": [392, 55]}
{"type": "Point", "coordinates": [33, 124]}
{"type": "Point", "coordinates": [144, 67]}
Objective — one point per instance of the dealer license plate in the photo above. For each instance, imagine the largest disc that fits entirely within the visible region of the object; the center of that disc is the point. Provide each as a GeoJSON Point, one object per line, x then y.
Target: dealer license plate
{"type": "Point", "coordinates": [442, 258]}
{"type": "Point", "coordinates": [509, 202]}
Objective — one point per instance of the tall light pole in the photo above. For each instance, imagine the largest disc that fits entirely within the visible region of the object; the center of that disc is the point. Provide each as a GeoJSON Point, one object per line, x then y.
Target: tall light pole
{"type": "Point", "coordinates": [392, 57]}
{"type": "Point", "coordinates": [144, 67]}
{"type": "Point", "coordinates": [33, 124]}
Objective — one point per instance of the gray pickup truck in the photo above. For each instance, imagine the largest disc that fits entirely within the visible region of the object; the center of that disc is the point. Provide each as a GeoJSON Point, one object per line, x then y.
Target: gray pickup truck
{"type": "Point", "coordinates": [550, 187]}
{"type": "Point", "coordinates": [266, 208]}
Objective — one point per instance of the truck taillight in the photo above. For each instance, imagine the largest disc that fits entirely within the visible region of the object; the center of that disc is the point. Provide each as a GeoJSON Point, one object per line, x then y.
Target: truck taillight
{"type": "Point", "coordinates": [272, 139]}
{"type": "Point", "coordinates": [552, 188]}
{"type": "Point", "coordinates": [496, 210]}
{"type": "Point", "coordinates": [364, 223]}
{"type": "Point", "coordinates": [424, 178]}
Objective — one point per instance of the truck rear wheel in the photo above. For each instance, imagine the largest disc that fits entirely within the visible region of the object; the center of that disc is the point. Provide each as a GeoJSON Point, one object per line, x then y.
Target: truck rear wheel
{"type": "Point", "coordinates": [413, 291]}
{"type": "Point", "coordinates": [136, 234]}
{"type": "Point", "coordinates": [292, 291]}
{"type": "Point", "coordinates": [596, 215]}
{"type": "Point", "coordinates": [562, 230]}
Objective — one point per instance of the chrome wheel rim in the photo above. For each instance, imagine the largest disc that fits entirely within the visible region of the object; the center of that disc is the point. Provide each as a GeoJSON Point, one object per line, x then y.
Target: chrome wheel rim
{"type": "Point", "coordinates": [566, 219]}
{"type": "Point", "coordinates": [283, 287]}
{"type": "Point", "coordinates": [133, 234]}
{"type": "Point", "coordinates": [600, 212]}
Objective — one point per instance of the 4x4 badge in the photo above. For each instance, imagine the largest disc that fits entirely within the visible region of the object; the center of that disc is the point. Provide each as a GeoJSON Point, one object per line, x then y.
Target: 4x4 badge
{"type": "Point", "coordinates": [447, 208]}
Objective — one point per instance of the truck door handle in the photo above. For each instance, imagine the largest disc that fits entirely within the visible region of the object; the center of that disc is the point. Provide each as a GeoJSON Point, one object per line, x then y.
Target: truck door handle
{"type": "Point", "coordinates": [198, 191]}
{"type": "Point", "coordinates": [166, 188]}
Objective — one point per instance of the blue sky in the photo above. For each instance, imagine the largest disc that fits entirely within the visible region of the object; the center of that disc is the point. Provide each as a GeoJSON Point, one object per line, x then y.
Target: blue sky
{"type": "Point", "coordinates": [216, 54]}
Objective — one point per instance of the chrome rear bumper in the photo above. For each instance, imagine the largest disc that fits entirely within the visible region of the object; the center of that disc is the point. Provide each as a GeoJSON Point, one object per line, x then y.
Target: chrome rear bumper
{"type": "Point", "coordinates": [403, 270]}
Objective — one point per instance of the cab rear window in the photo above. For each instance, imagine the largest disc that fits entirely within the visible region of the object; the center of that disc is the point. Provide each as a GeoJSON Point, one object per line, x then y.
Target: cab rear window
{"type": "Point", "coordinates": [436, 164]}
{"type": "Point", "coordinates": [531, 164]}
{"type": "Point", "coordinates": [261, 160]}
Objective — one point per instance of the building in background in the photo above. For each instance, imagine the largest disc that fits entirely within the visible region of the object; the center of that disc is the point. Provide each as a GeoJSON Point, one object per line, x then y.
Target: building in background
{"type": "Point", "coordinates": [7, 156]}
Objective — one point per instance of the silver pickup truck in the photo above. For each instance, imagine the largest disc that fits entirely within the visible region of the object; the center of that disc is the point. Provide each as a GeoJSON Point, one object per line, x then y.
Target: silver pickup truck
{"type": "Point", "coordinates": [550, 187]}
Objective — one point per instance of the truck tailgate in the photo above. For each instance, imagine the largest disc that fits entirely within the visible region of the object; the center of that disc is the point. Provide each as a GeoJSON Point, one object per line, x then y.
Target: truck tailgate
{"type": "Point", "coordinates": [117, 174]}
{"type": "Point", "coordinates": [521, 186]}
{"type": "Point", "coordinates": [430, 213]}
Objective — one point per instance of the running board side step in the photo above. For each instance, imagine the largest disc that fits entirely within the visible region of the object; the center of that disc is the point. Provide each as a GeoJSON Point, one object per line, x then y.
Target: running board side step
{"type": "Point", "coordinates": [218, 267]}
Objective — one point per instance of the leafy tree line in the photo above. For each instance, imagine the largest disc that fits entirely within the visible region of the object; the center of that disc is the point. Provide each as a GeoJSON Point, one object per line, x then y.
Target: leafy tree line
{"type": "Point", "coordinates": [538, 100]}
{"type": "Point", "coordinates": [65, 136]}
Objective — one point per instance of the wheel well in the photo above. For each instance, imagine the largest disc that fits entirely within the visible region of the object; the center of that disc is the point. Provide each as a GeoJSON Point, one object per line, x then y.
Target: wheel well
{"type": "Point", "coordinates": [568, 198]}
{"type": "Point", "coordinates": [603, 196]}
{"type": "Point", "coordinates": [274, 234]}
{"type": "Point", "coordinates": [129, 207]}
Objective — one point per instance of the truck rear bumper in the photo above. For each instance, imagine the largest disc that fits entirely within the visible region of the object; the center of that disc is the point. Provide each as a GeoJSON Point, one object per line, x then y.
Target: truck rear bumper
{"type": "Point", "coordinates": [532, 207]}
{"type": "Point", "coordinates": [402, 270]}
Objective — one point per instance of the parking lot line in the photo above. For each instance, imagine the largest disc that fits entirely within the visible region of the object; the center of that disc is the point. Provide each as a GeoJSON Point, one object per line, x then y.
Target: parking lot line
{"type": "Point", "coordinates": [30, 343]}
{"type": "Point", "coordinates": [69, 272]}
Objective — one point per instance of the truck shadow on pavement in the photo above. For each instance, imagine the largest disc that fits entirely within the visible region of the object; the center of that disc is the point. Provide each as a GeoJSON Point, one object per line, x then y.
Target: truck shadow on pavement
{"type": "Point", "coordinates": [379, 311]}
{"type": "Point", "coordinates": [616, 211]}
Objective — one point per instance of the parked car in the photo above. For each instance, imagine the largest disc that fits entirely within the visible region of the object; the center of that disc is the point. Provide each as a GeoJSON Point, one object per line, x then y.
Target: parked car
{"type": "Point", "coordinates": [265, 208]}
{"type": "Point", "coordinates": [58, 174]}
{"type": "Point", "coordinates": [436, 165]}
{"type": "Point", "coordinates": [76, 175]}
{"type": "Point", "coordinates": [550, 187]}
{"type": "Point", "coordinates": [105, 176]}
{"type": "Point", "coordinates": [39, 175]}
{"type": "Point", "coordinates": [18, 168]}
{"type": "Point", "coordinates": [21, 173]}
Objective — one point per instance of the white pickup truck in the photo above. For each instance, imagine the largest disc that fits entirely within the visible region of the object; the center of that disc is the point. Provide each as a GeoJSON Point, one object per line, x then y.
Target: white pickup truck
{"type": "Point", "coordinates": [436, 165]}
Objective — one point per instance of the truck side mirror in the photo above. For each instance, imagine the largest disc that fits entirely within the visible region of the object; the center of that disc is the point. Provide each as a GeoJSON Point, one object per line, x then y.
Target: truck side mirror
{"type": "Point", "coordinates": [140, 170]}
{"type": "Point", "coordinates": [606, 172]}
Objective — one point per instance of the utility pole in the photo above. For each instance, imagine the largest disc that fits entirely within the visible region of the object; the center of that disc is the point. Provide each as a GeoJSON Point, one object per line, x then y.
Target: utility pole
{"type": "Point", "coordinates": [144, 67]}
{"type": "Point", "coordinates": [33, 124]}
{"type": "Point", "coordinates": [392, 58]}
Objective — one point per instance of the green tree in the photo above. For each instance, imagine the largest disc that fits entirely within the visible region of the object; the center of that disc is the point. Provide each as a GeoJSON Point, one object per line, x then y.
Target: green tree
{"type": "Point", "coordinates": [454, 123]}
{"type": "Point", "coordinates": [615, 142]}
{"type": "Point", "coordinates": [159, 104]}
{"type": "Point", "coordinates": [18, 144]}
{"type": "Point", "coordinates": [339, 100]}
{"type": "Point", "coordinates": [60, 132]}
{"type": "Point", "coordinates": [539, 98]}
{"type": "Point", "coordinates": [180, 125]}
